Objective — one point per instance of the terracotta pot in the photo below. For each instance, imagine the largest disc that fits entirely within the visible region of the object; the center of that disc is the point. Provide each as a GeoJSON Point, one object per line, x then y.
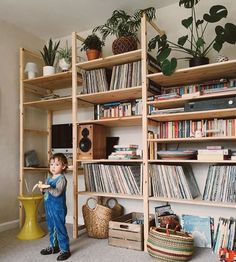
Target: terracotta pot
{"type": "Point", "coordinates": [197, 61]}
{"type": "Point", "coordinates": [124, 44]}
{"type": "Point", "coordinates": [92, 54]}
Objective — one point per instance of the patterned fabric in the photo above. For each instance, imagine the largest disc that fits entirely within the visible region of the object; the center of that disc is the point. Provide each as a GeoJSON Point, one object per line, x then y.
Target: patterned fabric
{"type": "Point", "coordinates": [169, 247]}
{"type": "Point", "coordinates": [56, 210]}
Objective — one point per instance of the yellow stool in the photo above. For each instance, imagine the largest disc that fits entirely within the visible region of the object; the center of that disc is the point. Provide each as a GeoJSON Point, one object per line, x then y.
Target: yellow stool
{"type": "Point", "coordinates": [31, 229]}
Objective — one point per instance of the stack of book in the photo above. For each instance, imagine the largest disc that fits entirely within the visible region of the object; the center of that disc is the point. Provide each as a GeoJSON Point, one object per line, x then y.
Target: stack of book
{"type": "Point", "coordinates": [167, 96]}
{"type": "Point", "coordinates": [124, 152]}
{"type": "Point", "coordinates": [215, 153]}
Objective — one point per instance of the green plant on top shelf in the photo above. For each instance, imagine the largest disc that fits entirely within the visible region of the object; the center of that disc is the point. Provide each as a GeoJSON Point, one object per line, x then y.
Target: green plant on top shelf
{"type": "Point", "coordinates": [49, 52]}
{"type": "Point", "coordinates": [65, 53]}
{"type": "Point", "coordinates": [92, 42]}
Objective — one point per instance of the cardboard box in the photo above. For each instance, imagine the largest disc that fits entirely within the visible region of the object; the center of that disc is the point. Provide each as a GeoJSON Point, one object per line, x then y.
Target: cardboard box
{"type": "Point", "coordinates": [127, 231]}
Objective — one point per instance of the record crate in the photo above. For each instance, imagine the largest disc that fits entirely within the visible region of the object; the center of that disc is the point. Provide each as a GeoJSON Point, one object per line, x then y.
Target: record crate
{"type": "Point", "coordinates": [127, 231]}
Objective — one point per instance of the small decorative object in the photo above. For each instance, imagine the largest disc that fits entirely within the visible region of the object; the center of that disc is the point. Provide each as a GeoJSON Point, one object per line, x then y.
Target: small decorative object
{"type": "Point", "coordinates": [96, 219]}
{"type": "Point", "coordinates": [49, 54]}
{"type": "Point", "coordinates": [93, 46]}
{"type": "Point", "coordinates": [221, 58]}
{"type": "Point", "coordinates": [64, 57]}
{"type": "Point", "coordinates": [194, 43]}
{"type": "Point", "coordinates": [31, 159]}
{"type": "Point", "coordinates": [31, 69]}
{"type": "Point", "coordinates": [169, 245]}
{"type": "Point", "coordinates": [125, 27]}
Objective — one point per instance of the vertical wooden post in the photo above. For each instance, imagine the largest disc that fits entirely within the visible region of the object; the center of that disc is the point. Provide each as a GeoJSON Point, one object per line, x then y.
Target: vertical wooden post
{"type": "Point", "coordinates": [74, 136]}
{"type": "Point", "coordinates": [49, 136]}
{"type": "Point", "coordinates": [144, 128]}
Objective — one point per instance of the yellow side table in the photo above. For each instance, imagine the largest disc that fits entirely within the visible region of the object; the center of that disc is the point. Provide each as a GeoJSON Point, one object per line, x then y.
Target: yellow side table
{"type": "Point", "coordinates": [31, 229]}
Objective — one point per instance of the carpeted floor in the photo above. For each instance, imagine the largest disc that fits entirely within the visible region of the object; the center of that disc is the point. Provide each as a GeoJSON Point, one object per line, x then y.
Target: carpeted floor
{"type": "Point", "coordinates": [83, 249]}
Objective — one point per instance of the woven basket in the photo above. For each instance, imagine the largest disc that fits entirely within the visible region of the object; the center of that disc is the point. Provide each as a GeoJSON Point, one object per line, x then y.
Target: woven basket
{"type": "Point", "coordinates": [96, 220]}
{"type": "Point", "coordinates": [172, 246]}
{"type": "Point", "coordinates": [124, 44]}
{"type": "Point", "coordinates": [117, 210]}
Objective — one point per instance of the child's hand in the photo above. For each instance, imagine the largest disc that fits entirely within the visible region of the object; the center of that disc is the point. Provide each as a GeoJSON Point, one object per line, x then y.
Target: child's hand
{"type": "Point", "coordinates": [42, 186]}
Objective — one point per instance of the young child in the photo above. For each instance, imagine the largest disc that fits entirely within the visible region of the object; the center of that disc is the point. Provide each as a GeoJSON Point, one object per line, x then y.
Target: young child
{"type": "Point", "coordinates": [55, 207]}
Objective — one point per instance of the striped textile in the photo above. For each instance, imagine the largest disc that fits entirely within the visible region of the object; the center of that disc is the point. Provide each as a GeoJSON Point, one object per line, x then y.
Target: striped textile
{"type": "Point", "coordinates": [169, 247]}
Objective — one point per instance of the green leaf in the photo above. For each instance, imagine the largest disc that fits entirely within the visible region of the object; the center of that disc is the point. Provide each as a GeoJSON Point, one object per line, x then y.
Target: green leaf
{"type": "Point", "coordinates": [188, 3]}
{"type": "Point", "coordinates": [182, 40]}
{"type": "Point", "coordinates": [230, 33]}
{"type": "Point", "coordinates": [169, 67]}
{"type": "Point", "coordinates": [187, 22]}
{"type": "Point", "coordinates": [200, 42]}
{"type": "Point", "coordinates": [216, 13]}
{"type": "Point", "coordinates": [164, 53]}
{"type": "Point", "coordinates": [199, 22]}
{"type": "Point", "coordinates": [217, 46]}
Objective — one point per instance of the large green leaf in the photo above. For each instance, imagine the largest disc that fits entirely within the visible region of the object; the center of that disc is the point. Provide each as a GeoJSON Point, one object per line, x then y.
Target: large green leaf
{"type": "Point", "coordinates": [230, 33]}
{"type": "Point", "coordinates": [168, 66]}
{"type": "Point", "coordinates": [216, 13]}
{"type": "Point", "coordinates": [218, 46]}
{"type": "Point", "coordinates": [163, 54]}
{"type": "Point", "coordinates": [188, 3]}
{"type": "Point", "coordinates": [187, 22]}
{"type": "Point", "coordinates": [182, 40]}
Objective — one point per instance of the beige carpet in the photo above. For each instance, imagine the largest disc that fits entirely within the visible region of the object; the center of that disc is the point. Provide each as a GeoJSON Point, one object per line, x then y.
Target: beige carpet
{"type": "Point", "coordinates": [83, 249]}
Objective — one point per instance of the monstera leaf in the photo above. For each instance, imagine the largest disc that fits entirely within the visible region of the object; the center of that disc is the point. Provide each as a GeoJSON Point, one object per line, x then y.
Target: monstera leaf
{"type": "Point", "coordinates": [216, 13]}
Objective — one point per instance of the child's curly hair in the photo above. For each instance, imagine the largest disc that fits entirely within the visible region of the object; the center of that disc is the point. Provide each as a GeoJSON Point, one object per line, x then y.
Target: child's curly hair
{"type": "Point", "coordinates": [62, 158]}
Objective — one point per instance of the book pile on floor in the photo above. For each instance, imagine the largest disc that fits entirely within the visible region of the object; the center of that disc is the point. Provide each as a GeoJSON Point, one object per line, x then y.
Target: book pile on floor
{"type": "Point", "coordinates": [124, 152]}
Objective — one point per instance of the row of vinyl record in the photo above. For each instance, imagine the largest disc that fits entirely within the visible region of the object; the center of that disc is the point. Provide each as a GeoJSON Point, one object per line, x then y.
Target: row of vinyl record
{"type": "Point", "coordinates": [187, 128]}
{"type": "Point", "coordinates": [220, 184]}
{"type": "Point", "coordinates": [123, 179]}
{"type": "Point", "coordinates": [118, 109]}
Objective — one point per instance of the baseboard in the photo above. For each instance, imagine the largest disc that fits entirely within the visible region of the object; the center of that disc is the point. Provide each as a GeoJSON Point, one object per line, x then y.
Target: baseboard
{"type": "Point", "coordinates": [9, 225]}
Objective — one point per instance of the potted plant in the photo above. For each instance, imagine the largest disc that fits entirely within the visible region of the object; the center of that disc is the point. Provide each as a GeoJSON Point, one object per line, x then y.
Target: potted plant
{"type": "Point", "coordinates": [194, 44]}
{"type": "Point", "coordinates": [125, 27]}
{"type": "Point", "coordinates": [93, 46]}
{"type": "Point", "coordinates": [49, 54]}
{"type": "Point", "coordinates": [65, 57]}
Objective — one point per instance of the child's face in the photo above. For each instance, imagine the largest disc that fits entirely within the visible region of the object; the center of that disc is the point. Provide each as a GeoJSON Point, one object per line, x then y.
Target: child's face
{"type": "Point", "coordinates": [56, 166]}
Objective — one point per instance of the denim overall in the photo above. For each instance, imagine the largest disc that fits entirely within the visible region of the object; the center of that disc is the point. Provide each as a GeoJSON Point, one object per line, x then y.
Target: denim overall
{"type": "Point", "coordinates": [56, 211]}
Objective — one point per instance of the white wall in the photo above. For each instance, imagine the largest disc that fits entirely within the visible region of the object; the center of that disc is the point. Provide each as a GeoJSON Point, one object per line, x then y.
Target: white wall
{"type": "Point", "coordinates": [12, 38]}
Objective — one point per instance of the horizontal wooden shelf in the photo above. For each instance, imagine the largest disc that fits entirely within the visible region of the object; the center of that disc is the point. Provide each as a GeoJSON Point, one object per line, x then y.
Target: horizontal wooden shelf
{"type": "Point", "coordinates": [110, 61]}
{"type": "Point", "coordinates": [36, 169]}
{"type": "Point", "coordinates": [209, 114]}
{"type": "Point", "coordinates": [197, 202]}
{"type": "Point", "coordinates": [179, 161]}
{"type": "Point", "coordinates": [116, 195]}
{"type": "Point", "coordinates": [111, 161]}
{"type": "Point", "coordinates": [55, 104]}
{"type": "Point", "coordinates": [111, 96]}
{"type": "Point", "coordinates": [196, 74]}
{"type": "Point", "coordinates": [116, 121]}
{"type": "Point", "coordinates": [178, 102]}
{"type": "Point", "coordinates": [36, 132]}
{"type": "Point", "coordinates": [192, 139]}
{"type": "Point", "coordinates": [53, 82]}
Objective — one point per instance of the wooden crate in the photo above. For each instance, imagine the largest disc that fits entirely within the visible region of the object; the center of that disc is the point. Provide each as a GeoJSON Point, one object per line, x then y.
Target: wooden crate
{"type": "Point", "coordinates": [123, 233]}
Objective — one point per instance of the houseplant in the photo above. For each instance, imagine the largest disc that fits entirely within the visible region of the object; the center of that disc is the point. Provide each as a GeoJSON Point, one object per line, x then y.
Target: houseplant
{"type": "Point", "coordinates": [64, 57]}
{"type": "Point", "coordinates": [49, 54]}
{"type": "Point", "coordinates": [93, 46]}
{"type": "Point", "coordinates": [125, 27]}
{"type": "Point", "coordinates": [194, 44]}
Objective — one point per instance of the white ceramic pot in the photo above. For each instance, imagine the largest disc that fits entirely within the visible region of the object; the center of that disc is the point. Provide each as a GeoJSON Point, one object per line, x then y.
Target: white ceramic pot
{"type": "Point", "coordinates": [48, 70]}
{"type": "Point", "coordinates": [64, 65]}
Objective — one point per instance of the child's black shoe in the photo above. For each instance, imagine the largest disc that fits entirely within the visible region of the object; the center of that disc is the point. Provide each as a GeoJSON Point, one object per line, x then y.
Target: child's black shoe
{"type": "Point", "coordinates": [64, 255]}
{"type": "Point", "coordinates": [50, 250]}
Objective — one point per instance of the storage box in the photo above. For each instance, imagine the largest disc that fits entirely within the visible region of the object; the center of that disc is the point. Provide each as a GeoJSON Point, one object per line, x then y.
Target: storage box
{"type": "Point", "coordinates": [125, 231]}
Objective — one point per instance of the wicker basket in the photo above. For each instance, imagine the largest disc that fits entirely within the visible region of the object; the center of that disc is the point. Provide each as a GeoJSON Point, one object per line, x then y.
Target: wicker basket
{"type": "Point", "coordinates": [96, 220]}
{"type": "Point", "coordinates": [117, 210]}
{"type": "Point", "coordinates": [168, 245]}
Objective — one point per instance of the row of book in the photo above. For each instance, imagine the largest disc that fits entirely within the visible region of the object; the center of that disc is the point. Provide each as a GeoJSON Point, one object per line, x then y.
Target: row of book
{"type": "Point", "coordinates": [220, 184]}
{"type": "Point", "coordinates": [225, 235]}
{"type": "Point", "coordinates": [126, 75]}
{"type": "Point", "coordinates": [207, 87]}
{"type": "Point", "coordinates": [122, 152]}
{"type": "Point", "coordinates": [187, 128]}
{"type": "Point", "coordinates": [124, 179]}
{"type": "Point", "coordinates": [173, 181]}
{"type": "Point", "coordinates": [118, 109]}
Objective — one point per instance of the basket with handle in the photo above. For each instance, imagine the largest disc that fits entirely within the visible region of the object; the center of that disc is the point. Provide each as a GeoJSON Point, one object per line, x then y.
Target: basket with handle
{"type": "Point", "coordinates": [169, 245]}
{"type": "Point", "coordinates": [117, 210]}
{"type": "Point", "coordinates": [96, 219]}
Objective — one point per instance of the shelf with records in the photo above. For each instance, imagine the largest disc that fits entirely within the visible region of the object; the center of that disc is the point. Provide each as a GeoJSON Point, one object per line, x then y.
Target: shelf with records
{"type": "Point", "coordinates": [102, 194]}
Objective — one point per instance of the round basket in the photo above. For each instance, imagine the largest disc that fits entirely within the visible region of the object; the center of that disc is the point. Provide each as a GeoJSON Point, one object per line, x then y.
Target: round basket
{"type": "Point", "coordinates": [169, 245]}
{"type": "Point", "coordinates": [96, 219]}
{"type": "Point", "coordinates": [124, 44]}
{"type": "Point", "coordinates": [117, 210]}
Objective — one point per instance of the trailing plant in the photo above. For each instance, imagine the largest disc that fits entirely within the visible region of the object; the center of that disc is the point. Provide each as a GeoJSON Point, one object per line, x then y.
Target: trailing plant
{"type": "Point", "coordinates": [65, 53]}
{"type": "Point", "coordinates": [49, 52]}
{"type": "Point", "coordinates": [122, 24]}
{"type": "Point", "coordinates": [193, 44]}
{"type": "Point", "coordinates": [92, 42]}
